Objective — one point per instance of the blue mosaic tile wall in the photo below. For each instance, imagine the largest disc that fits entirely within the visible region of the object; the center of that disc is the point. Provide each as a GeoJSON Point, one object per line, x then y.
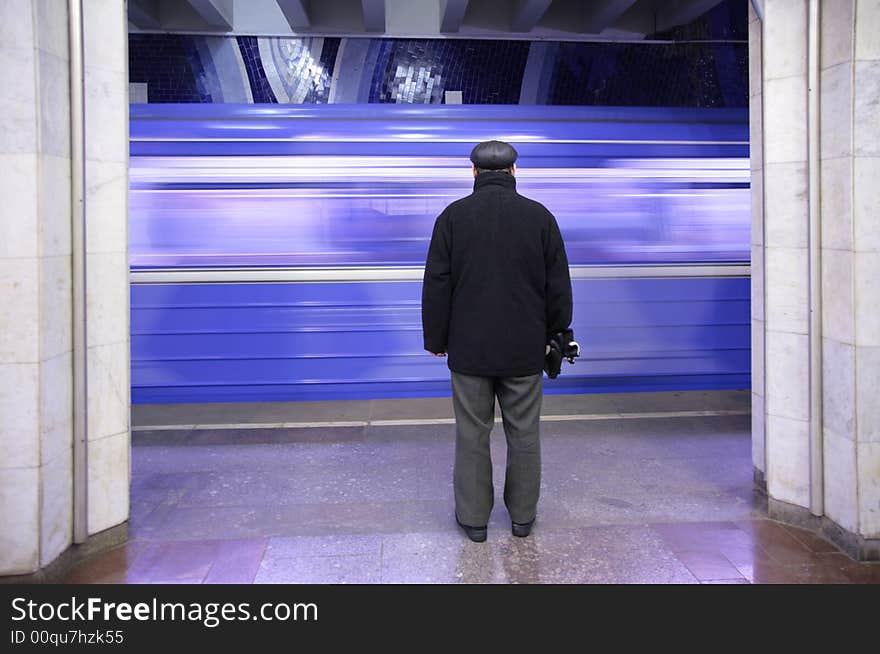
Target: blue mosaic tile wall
{"type": "Point", "coordinates": [170, 66]}
{"type": "Point", "coordinates": [687, 75]}
{"type": "Point", "coordinates": [418, 71]}
{"type": "Point", "coordinates": [696, 68]}
{"type": "Point", "coordinates": [300, 70]}
{"type": "Point", "coordinates": [250, 54]}
{"type": "Point", "coordinates": [728, 20]}
{"type": "Point", "coordinates": [329, 53]}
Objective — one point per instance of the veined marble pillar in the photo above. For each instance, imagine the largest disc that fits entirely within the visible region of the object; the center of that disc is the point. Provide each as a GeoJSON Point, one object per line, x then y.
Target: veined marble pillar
{"type": "Point", "coordinates": [105, 57]}
{"type": "Point", "coordinates": [36, 405]}
{"type": "Point", "coordinates": [786, 271]}
{"type": "Point", "coordinates": [846, 172]}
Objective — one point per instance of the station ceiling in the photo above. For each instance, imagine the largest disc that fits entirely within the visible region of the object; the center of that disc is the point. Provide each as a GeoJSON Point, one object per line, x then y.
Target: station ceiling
{"type": "Point", "coordinates": [572, 20]}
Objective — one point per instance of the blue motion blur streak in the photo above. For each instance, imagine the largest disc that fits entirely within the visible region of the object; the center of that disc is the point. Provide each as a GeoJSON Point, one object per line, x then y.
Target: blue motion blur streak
{"type": "Point", "coordinates": [358, 187]}
{"type": "Point", "coordinates": [349, 185]}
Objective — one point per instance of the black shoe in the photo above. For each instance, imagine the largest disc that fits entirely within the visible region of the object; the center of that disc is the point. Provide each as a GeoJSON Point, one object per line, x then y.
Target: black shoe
{"type": "Point", "coordinates": [521, 529]}
{"type": "Point", "coordinates": [476, 534]}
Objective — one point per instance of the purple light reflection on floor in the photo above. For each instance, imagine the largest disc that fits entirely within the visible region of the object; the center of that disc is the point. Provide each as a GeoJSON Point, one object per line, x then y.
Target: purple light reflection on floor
{"type": "Point", "coordinates": [647, 500]}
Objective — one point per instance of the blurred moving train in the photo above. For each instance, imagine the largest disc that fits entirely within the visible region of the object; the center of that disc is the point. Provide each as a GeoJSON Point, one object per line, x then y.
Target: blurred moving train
{"type": "Point", "coordinates": [276, 251]}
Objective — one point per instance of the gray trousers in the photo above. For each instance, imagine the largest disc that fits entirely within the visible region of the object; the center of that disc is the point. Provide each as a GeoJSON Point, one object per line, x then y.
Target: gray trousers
{"type": "Point", "coordinates": [473, 399]}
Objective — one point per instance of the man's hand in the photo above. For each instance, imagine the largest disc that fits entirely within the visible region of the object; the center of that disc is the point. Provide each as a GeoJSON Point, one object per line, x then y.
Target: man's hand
{"type": "Point", "coordinates": [436, 354]}
{"type": "Point", "coordinates": [546, 350]}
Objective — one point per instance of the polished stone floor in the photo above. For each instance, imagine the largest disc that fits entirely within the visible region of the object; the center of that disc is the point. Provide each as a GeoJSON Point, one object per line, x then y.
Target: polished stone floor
{"type": "Point", "coordinates": [643, 488]}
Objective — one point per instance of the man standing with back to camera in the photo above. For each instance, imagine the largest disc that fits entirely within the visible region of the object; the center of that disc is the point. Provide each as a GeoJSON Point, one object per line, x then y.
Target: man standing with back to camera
{"type": "Point", "coordinates": [496, 288]}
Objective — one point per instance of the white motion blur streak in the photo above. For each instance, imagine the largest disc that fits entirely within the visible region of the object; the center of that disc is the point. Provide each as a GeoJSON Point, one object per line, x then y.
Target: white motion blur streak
{"type": "Point", "coordinates": [379, 210]}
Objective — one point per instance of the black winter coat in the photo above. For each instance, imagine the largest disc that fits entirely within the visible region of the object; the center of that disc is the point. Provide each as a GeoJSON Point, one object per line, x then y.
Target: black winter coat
{"type": "Point", "coordinates": [496, 281]}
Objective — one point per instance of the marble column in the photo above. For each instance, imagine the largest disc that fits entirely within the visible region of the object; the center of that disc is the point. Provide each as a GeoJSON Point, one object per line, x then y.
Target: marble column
{"type": "Point", "coordinates": [35, 291]}
{"type": "Point", "coordinates": [36, 412]}
{"type": "Point", "coordinates": [105, 57]}
{"type": "Point", "coordinates": [848, 168]}
{"type": "Point", "coordinates": [850, 152]}
{"type": "Point", "coordinates": [756, 156]}
{"type": "Point", "coordinates": [866, 260]}
{"type": "Point", "coordinates": [785, 265]}
{"type": "Point", "coordinates": [838, 333]}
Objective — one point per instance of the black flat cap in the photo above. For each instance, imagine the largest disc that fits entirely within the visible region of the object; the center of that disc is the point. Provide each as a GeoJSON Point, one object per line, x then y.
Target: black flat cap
{"type": "Point", "coordinates": [493, 155]}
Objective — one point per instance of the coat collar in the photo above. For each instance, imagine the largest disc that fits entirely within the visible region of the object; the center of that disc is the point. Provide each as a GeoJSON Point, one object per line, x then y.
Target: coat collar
{"type": "Point", "coordinates": [493, 178]}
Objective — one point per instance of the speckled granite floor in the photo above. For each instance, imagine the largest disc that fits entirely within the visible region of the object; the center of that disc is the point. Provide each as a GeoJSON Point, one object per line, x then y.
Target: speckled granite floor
{"type": "Point", "coordinates": [222, 494]}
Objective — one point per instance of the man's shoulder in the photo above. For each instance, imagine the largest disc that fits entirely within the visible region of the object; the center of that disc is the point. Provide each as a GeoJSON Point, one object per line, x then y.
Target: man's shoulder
{"type": "Point", "coordinates": [463, 201]}
{"type": "Point", "coordinates": [534, 209]}
{"type": "Point", "coordinates": [522, 204]}
{"type": "Point", "coordinates": [461, 205]}
{"type": "Point", "coordinates": [533, 204]}
{"type": "Point", "coordinates": [521, 200]}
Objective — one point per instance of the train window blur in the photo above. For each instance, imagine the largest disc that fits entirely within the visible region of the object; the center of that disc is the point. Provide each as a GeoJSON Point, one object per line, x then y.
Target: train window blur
{"type": "Point", "coordinates": [349, 185]}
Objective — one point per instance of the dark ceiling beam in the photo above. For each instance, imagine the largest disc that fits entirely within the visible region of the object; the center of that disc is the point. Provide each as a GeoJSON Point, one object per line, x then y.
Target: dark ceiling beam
{"type": "Point", "coordinates": [144, 14]}
{"type": "Point", "coordinates": [374, 15]}
{"type": "Point", "coordinates": [673, 13]}
{"type": "Point", "coordinates": [601, 14]}
{"type": "Point", "coordinates": [527, 13]}
{"type": "Point", "coordinates": [451, 14]}
{"type": "Point", "coordinates": [296, 12]}
{"type": "Point", "coordinates": [216, 13]}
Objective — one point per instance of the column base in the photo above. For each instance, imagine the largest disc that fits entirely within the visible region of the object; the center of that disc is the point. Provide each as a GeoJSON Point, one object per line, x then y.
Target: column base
{"type": "Point", "coordinates": [55, 572]}
{"type": "Point", "coordinates": [759, 480]}
{"type": "Point", "coordinates": [856, 546]}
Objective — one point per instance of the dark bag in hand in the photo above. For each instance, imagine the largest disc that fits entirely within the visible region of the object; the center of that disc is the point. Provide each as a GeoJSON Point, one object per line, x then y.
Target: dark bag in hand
{"type": "Point", "coordinates": [562, 346]}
